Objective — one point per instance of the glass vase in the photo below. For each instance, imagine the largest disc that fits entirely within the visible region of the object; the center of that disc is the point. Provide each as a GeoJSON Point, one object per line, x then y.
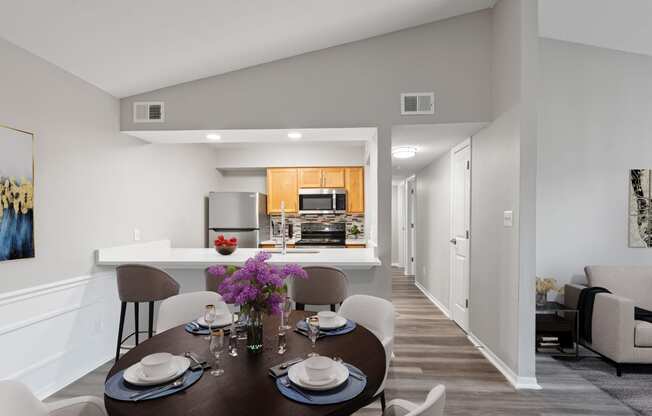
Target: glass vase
{"type": "Point", "coordinates": [255, 332]}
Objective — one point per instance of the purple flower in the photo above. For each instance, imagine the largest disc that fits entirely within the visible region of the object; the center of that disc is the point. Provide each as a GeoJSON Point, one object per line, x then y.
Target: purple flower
{"type": "Point", "coordinates": [294, 270]}
{"type": "Point", "coordinates": [217, 270]}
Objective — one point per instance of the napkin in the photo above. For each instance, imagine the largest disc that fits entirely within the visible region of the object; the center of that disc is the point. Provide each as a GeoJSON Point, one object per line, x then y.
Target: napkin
{"type": "Point", "coordinates": [282, 369]}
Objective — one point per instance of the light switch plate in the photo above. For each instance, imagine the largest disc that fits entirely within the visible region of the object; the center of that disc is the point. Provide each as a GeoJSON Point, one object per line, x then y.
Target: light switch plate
{"type": "Point", "coordinates": [136, 234]}
{"type": "Point", "coordinates": [508, 219]}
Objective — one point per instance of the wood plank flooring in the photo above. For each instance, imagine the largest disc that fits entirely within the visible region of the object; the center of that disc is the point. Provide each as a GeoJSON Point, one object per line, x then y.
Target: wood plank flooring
{"type": "Point", "coordinates": [431, 350]}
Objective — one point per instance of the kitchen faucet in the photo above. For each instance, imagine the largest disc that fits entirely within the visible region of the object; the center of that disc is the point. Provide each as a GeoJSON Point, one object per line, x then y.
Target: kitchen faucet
{"type": "Point", "coordinates": [284, 242]}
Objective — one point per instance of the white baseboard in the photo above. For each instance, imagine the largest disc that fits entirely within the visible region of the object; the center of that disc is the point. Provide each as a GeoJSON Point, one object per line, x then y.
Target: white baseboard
{"type": "Point", "coordinates": [53, 334]}
{"type": "Point", "coordinates": [520, 383]}
{"type": "Point", "coordinates": [433, 299]}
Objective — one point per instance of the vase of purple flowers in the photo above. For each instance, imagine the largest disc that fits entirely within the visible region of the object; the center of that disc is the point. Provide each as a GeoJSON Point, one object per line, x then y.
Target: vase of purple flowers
{"type": "Point", "coordinates": [259, 288]}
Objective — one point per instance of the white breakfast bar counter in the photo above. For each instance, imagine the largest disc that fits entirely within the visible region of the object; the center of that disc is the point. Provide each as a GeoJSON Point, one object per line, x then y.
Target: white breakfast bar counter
{"type": "Point", "coordinates": [161, 254]}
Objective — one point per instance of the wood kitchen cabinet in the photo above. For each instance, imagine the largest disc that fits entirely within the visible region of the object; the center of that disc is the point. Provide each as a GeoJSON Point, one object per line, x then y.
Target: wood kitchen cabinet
{"type": "Point", "coordinates": [332, 177]}
{"type": "Point", "coordinates": [321, 178]}
{"type": "Point", "coordinates": [354, 184]}
{"type": "Point", "coordinates": [282, 185]}
{"type": "Point", "coordinates": [310, 178]}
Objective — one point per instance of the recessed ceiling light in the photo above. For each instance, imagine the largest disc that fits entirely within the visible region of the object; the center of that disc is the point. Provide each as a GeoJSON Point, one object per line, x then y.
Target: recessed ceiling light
{"type": "Point", "coordinates": [295, 135]}
{"type": "Point", "coordinates": [404, 152]}
{"type": "Point", "coordinates": [213, 136]}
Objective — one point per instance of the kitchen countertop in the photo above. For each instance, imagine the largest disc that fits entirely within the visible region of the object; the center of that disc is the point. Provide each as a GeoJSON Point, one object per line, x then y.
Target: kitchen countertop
{"type": "Point", "coordinates": [161, 254]}
{"type": "Point", "coordinates": [294, 240]}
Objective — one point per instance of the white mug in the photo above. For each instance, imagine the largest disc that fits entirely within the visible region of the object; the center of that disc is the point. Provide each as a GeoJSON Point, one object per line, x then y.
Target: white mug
{"type": "Point", "coordinates": [326, 317]}
{"type": "Point", "coordinates": [319, 368]}
{"type": "Point", "coordinates": [157, 365]}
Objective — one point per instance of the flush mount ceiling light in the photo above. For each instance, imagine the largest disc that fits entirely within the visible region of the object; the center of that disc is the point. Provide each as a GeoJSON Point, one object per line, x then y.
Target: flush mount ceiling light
{"type": "Point", "coordinates": [295, 135]}
{"type": "Point", "coordinates": [213, 136]}
{"type": "Point", "coordinates": [404, 152]}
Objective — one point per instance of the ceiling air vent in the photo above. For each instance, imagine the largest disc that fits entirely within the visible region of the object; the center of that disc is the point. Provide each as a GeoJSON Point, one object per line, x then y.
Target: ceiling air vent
{"type": "Point", "coordinates": [149, 112]}
{"type": "Point", "coordinates": [418, 103]}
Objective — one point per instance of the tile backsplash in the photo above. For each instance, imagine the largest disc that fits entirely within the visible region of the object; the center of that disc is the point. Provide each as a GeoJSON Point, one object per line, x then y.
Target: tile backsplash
{"type": "Point", "coordinates": [296, 220]}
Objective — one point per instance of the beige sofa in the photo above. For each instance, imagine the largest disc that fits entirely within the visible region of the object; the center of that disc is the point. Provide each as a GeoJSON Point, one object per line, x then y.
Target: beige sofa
{"type": "Point", "coordinates": [616, 335]}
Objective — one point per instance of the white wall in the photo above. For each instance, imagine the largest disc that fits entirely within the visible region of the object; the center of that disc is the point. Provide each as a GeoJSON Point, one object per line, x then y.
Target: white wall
{"type": "Point", "coordinates": [595, 124]}
{"type": "Point", "coordinates": [501, 313]}
{"type": "Point", "coordinates": [433, 228]}
{"type": "Point", "coordinates": [93, 187]}
{"type": "Point", "coordinates": [396, 225]}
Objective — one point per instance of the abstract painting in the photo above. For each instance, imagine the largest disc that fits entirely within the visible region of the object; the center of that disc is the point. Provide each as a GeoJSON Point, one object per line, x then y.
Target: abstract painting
{"type": "Point", "coordinates": [640, 208]}
{"type": "Point", "coordinates": [16, 194]}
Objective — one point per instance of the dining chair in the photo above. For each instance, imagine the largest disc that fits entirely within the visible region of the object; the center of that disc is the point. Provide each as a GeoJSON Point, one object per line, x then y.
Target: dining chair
{"type": "Point", "coordinates": [16, 399]}
{"type": "Point", "coordinates": [140, 283]}
{"type": "Point", "coordinates": [377, 315]}
{"type": "Point", "coordinates": [433, 406]}
{"type": "Point", "coordinates": [181, 309]}
{"type": "Point", "coordinates": [324, 286]}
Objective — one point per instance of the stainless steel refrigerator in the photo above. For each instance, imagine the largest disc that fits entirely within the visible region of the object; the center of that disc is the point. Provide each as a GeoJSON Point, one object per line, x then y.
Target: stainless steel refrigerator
{"type": "Point", "coordinates": [238, 214]}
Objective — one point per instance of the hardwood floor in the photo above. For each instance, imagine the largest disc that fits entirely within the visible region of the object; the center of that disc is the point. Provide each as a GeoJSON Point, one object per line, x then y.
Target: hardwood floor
{"type": "Point", "coordinates": [430, 350]}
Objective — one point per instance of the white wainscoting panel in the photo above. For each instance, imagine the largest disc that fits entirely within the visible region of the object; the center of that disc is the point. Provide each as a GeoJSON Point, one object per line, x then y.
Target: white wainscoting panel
{"type": "Point", "coordinates": [53, 334]}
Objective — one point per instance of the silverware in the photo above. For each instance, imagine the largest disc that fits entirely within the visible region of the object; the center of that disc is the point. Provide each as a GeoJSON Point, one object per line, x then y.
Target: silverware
{"type": "Point", "coordinates": [290, 363]}
{"type": "Point", "coordinates": [195, 325]}
{"type": "Point", "coordinates": [355, 373]}
{"type": "Point", "coordinates": [287, 383]}
{"type": "Point", "coordinates": [198, 364]}
{"type": "Point", "coordinates": [305, 333]}
{"type": "Point", "coordinates": [175, 384]}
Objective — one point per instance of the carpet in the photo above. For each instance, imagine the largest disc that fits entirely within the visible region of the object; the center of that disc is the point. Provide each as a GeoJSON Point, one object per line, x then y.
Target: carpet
{"type": "Point", "coordinates": [632, 389]}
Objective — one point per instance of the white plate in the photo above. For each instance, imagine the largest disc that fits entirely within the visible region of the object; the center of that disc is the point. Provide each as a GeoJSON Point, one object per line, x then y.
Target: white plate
{"type": "Point", "coordinates": [221, 321]}
{"type": "Point", "coordinates": [134, 374]}
{"type": "Point", "coordinates": [297, 375]}
{"type": "Point", "coordinates": [339, 322]}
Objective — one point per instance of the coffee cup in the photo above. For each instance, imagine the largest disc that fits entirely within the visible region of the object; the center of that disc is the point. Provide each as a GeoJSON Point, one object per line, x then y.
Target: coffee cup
{"type": "Point", "coordinates": [326, 317]}
{"type": "Point", "coordinates": [319, 368]}
{"type": "Point", "coordinates": [157, 365]}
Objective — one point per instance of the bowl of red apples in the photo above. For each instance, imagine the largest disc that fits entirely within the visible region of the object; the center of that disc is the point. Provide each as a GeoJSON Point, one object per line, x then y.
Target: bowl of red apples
{"type": "Point", "coordinates": [225, 246]}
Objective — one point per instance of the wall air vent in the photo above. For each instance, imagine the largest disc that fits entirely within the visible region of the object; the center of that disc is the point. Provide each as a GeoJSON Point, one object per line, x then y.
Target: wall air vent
{"type": "Point", "coordinates": [415, 103]}
{"type": "Point", "coordinates": [149, 112]}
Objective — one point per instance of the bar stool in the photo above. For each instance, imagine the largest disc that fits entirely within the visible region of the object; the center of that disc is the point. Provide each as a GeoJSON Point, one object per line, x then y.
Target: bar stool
{"type": "Point", "coordinates": [140, 283]}
{"type": "Point", "coordinates": [325, 286]}
{"type": "Point", "coordinates": [213, 282]}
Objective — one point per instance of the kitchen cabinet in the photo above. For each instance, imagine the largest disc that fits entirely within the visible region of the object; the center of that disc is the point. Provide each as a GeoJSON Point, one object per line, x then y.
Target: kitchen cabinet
{"type": "Point", "coordinates": [321, 178]}
{"type": "Point", "coordinates": [310, 178]}
{"type": "Point", "coordinates": [354, 184]}
{"type": "Point", "coordinates": [282, 185]}
{"type": "Point", "coordinates": [332, 177]}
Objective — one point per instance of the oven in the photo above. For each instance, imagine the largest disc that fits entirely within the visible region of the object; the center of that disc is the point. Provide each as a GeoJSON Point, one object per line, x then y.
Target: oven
{"type": "Point", "coordinates": [322, 201]}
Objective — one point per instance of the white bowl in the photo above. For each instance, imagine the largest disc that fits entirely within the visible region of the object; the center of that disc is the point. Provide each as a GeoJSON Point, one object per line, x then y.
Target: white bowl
{"type": "Point", "coordinates": [319, 368]}
{"type": "Point", "coordinates": [326, 317]}
{"type": "Point", "coordinates": [157, 365]}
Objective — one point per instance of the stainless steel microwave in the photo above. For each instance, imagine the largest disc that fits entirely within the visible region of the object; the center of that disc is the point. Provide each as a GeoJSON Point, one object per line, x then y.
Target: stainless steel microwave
{"type": "Point", "coordinates": [322, 201]}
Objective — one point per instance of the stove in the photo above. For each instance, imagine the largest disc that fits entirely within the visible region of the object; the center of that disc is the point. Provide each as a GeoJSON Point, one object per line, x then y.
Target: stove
{"type": "Point", "coordinates": [315, 234]}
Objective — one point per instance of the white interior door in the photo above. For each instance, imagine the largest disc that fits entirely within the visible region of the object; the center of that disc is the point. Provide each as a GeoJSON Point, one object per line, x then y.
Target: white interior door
{"type": "Point", "coordinates": [410, 223]}
{"type": "Point", "coordinates": [461, 232]}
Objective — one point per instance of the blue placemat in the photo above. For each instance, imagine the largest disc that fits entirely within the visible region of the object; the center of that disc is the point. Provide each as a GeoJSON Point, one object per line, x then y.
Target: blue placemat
{"type": "Point", "coordinates": [117, 388]}
{"type": "Point", "coordinates": [347, 391]}
{"type": "Point", "coordinates": [350, 326]}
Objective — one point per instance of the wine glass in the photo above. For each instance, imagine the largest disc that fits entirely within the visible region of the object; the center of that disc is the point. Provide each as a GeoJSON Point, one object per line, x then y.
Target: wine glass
{"type": "Point", "coordinates": [313, 333]}
{"type": "Point", "coordinates": [286, 308]}
{"type": "Point", "coordinates": [233, 336]}
{"type": "Point", "coordinates": [210, 314]}
{"type": "Point", "coordinates": [216, 347]}
{"type": "Point", "coordinates": [282, 341]}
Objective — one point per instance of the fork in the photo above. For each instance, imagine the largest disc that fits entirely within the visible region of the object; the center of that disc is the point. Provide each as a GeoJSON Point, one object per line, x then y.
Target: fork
{"type": "Point", "coordinates": [286, 382]}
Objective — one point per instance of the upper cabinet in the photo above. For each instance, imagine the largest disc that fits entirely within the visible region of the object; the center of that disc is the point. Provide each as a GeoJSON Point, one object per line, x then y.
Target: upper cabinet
{"type": "Point", "coordinates": [332, 177]}
{"type": "Point", "coordinates": [282, 185]}
{"type": "Point", "coordinates": [354, 184]}
{"type": "Point", "coordinates": [321, 177]}
{"type": "Point", "coordinates": [310, 178]}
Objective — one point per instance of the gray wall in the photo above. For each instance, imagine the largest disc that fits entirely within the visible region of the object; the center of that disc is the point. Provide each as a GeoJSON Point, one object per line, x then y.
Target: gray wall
{"type": "Point", "coordinates": [353, 85]}
{"type": "Point", "coordinates": [94, 185]}
{"type": "Point", "coordinates": [395, 224]}
{"type": "Point", "coordinates": [433, 233]}
{"type": "Point", "coordinates": [504, 178]}
{"type": "Point", "coordinates": [595, 124]}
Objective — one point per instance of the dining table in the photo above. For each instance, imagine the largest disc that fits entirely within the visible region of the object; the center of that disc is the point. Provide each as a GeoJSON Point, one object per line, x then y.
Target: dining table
{"type": "Point", "coordinates": [246, 387]}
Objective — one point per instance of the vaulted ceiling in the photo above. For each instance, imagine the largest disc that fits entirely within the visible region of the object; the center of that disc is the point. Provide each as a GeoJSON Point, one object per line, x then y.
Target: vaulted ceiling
{"type": "Point", "coordinates": [126, 47]}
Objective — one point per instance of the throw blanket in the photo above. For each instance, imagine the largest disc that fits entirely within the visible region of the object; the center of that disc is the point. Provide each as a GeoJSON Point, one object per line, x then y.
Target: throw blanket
{"type": "Point", "coordinates": [585, 307]}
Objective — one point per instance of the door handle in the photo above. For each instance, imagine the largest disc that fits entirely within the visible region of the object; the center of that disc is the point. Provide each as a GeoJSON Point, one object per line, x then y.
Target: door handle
{"type": "Point", "coordinates": [453, 241]}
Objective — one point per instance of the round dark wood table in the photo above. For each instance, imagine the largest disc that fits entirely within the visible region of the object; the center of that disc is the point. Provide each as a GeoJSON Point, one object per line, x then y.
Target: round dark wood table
{"type": "Point", "coordinates": [246, 388]}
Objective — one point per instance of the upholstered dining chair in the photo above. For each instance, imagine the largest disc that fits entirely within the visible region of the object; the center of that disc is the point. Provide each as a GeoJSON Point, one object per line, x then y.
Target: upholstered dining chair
{"type": "Point", "coordinates": [433, 406]}
{"type": "Point", "coordinates": [140, 283]}
{"type": "Point", "coordinates": [325, 286]}
{"type": "Point", "coordinates": [17, 400]}
{"type": "Point", "coordinates": [377, 315]}
{"type": "Point", "coordinates": [181, 309]}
